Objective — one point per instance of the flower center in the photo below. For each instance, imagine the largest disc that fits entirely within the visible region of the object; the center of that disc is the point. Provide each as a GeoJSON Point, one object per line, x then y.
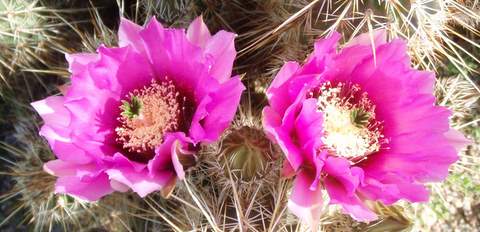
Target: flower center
{"type": "Point", "coordinates": [147, 114]}
{"type": "Point", "coordinates": [350, 127]}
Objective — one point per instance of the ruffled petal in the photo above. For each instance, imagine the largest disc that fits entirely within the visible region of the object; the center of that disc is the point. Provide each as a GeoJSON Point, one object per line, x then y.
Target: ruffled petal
{"type": "Point", "coordinates": [78, 62]}
{"type": "Point", "coordinates": [167, 155]}
{"type": "Point", "coordinates": [340, 170]}
{"type": "Point", "coordinates": [129, 34]}
{"type": "Point", "coordinates": [220, 49]}
{"type": "Point", "coordinates": [132, 71]}
{"type": "Point", "coordinates": [389, 188]}
{"type": "Point", "coordinates": [117, 186]}
{"type": "Point", "coordinates": [172, 55]}
{"type": "Point", "coordinates": [283, 136]}
{"type": "Point", "coordinates": [57, 119]}
{"type": "Point", "coordinates": [378, 37]}
{"type": "Point", "coordinates": [305, 203]}
{"type": "Point", "coordinates": [90, 190]}
{"type": "Point", "coordinates": [309, 127]}
{"type": "Point", "coordinates": [136, 176]}
{"type": "Point", "coordinates": [53, 111]}
{"type": "Point", "coordinates": [277, 92]}
{"type": "Point", "coordinates": [198, 33]}
{"type": "Point", "coordinates": [281, 130]}
{"type": "Point", "coordinates": [61, 168]}
{"type": "Point", "coordinates": [456, 139]}
{"type": "Point", "coordinates": [351, 204]}
{"type": "Point", "coordinates": [215, 112]}
{"type": "Point", "coordinates": [327, 46]}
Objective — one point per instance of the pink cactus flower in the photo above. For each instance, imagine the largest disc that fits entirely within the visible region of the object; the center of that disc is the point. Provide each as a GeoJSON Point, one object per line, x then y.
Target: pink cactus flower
{"type": "Point", "coordinates": [134, 115]}
{"type": "Point", "coordinates": [361, 124]}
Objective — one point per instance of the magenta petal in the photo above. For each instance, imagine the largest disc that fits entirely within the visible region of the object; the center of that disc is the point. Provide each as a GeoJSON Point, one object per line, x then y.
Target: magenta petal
{"type": "Point", "coordinates": [457, 139]}
{"type": "Point", "coordinates": [278, 92]}
{"type": "Point", "coordinates": [118, 186]}
{"type": "Point", "coordinates": [166, 155]}
{"type": "Point", "coordinates": [422, 81]}
{"type": "Point", "coordinates": [308, 125]}
{"type": "Point", "coordinates": [305, 203]}
{"type": "Point", "coordinates": [351, 204]}
{"type": "Point", "coordinates": [274, 130]}
{"type": "Point", "coordinates": [376, 190]}
{"type": "Point", "coordinates": [215, 112]}
{"type": "Point", "coordinates": [62, 168]}
{"type": "Point", "coordinates": [283, 136]}
{"type": "Point", "coordinates": [134, 70]}
{"type": "Point", "coordinates": [78, 62]}
{"type": "Point", "coordinates": [390, 188]}
{"type": "Point", "coordinates": [135, 176]}
{"type": "Point", "coordinates": [198, 33]}
{"type": "Point", "coordinates": [57, 119]}
{"type": "Point", "coordinates": [180, 148]}
{"type": "Point", "coordinates": [52, 111]}
{"type": "Point", "coordinates": [318, 163]}
{"type": "Point", "coordinates": [348, 178]}
{"type": "Point", "coordinates": [59, 168]}
{"type": "Point", "coordinates": [414, 192]}
{"type": "Point", "coordinates": [172, 55]}
{"type": "Point", "coordinates": [129, 34]}
{"type": "Point", "coordinates": [221, 49]}
{"type": "Point", "coordinates": [285, 73]}
{"type": "Point", "coordinates": [291, 137]}
{"type": "Point", "coordinates": [327, 46]}
{"type": "Point", "coordinates": [378, 37]}
{"type": "Point", "coordinates": [64, 148]}
{"type": "Point", "coordinates": [90, 190]}
{"type": "Point", "coordinates": [287, 169]}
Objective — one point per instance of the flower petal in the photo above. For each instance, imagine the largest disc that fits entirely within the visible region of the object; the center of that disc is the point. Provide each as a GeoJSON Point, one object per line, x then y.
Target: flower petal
{"type": "Point", "coordinates": [215, 112]}
{"type": "Point", "coordinates": [221, 49]}
{"type": "Point", "coordinates": [392, 187]}
{"type": "Point", "coordinates": [305, 203]}
{"type": "Point", "coordinates": [78, 62]}
{"type": "Point", "coordinates": [129, 34]}
{"type": "Point", "coordinates": [90, 190]}
{"type": "Point", "coordinates": [340, 170]}
{"type": "Point", "coordinates": [166, 155]}
{"type": "Point", "coordinates": [53, 111]}
{"type": "Point", "coordinates": [309, 127]}
{"type": "Point", "coordinates": [351, 204]}
{"type": "Point", "coordinates": [135, 176]}
{"type": "Point", "coordinates": [61, 168]}
{"type": "Point", "coordinates": [198, 33]}
{"type": "Point", "coordinates": [378, 37]}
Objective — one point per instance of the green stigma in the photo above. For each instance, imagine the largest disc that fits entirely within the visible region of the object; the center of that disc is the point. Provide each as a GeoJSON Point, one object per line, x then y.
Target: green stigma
{"type": "Point", "coordinates": [131, 109]}
{"type": "Point", "coordinates": [359, 117]}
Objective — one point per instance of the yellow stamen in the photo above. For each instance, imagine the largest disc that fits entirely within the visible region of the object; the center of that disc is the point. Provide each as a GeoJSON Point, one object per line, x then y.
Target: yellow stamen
{"type": "Point", "coordinates": [157, 110]}
{"type": "Point", "coordinates": [350, 127]}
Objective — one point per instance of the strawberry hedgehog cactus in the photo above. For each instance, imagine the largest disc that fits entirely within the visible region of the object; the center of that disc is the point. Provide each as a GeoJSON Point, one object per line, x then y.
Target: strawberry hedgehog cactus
{"type": "Point", "coordinates": [354, 125]}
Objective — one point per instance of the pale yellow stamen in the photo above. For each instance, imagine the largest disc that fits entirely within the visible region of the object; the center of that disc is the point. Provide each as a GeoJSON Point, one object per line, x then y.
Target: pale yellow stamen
{"type": "Point", "coordinates": [159, 112]}
{"type": "Point", "coordinates": [350, 128]}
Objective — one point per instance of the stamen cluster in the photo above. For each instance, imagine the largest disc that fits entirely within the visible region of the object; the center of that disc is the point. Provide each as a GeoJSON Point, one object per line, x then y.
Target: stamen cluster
{"type": "Point", "coordinates": [148, 115]}
{"type": "Point", "coordinates": [351, 129]}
